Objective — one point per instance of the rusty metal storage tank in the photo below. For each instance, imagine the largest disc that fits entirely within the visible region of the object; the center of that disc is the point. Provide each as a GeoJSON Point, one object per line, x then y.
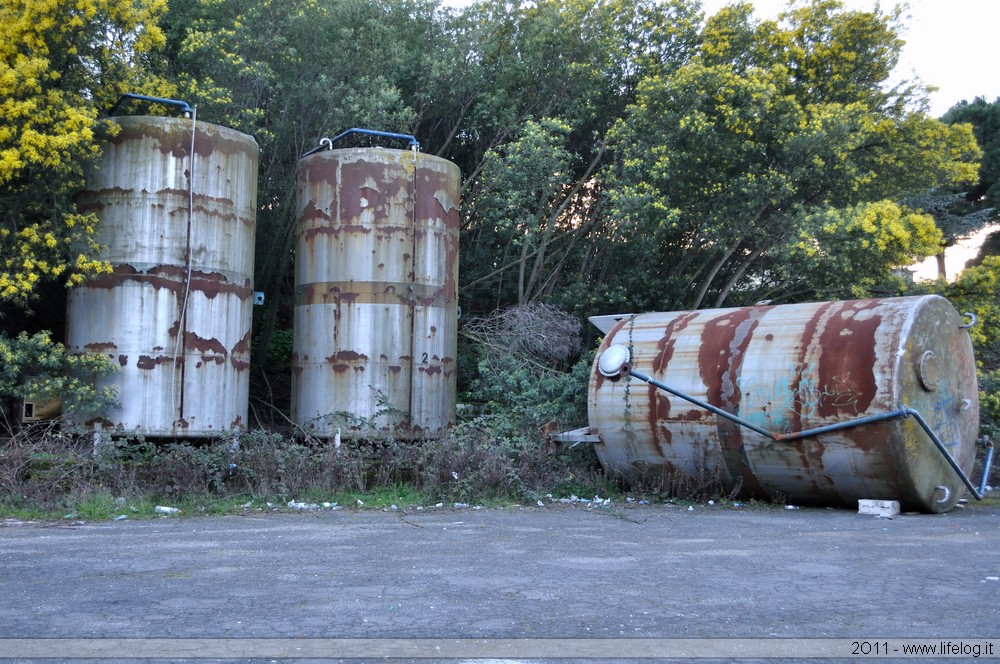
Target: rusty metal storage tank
{"type": "Point", "coordinates": [175, 313]}
{"type": "Point", "coordinates": [790, 368]}
{"type": "Point", "coordinates": [376, 301]}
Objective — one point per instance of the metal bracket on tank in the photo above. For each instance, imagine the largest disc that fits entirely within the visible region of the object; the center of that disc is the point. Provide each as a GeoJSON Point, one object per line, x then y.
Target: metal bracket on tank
{"type": "Point", "coordinates": [327, 143]}
{"type": "Point", "coordinates": [973, 319]}
{"type": "Point", "coordinates": [616, 361]}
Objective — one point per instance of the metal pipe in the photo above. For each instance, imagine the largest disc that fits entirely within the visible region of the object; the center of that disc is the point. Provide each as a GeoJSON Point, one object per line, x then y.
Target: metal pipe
{"type": "Point", "coordinates": [703, 404]}
{"type": "Point", "coordinates": [797, 435]}
{"type": "Point", "coordinates": [986, 464]}
{"type": "Point", "coordinates": [327, 143]}
{"type": "Point", "coordinates": [186, 109]}
{"type": "Point", "coordinates": [944, 451]}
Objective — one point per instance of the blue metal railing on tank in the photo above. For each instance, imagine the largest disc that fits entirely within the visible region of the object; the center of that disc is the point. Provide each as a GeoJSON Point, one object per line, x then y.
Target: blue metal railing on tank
{"type": "Point", "coordinates": [327, 143]}
{"type": "Point", "coordinates": [183, 106]}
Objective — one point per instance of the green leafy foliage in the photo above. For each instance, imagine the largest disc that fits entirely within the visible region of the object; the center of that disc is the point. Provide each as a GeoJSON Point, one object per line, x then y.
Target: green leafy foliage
{"type": "Point", "coordinates": [729, 161]}
{"type": "Point", "coordinates": [984, 118]}
{"type": "Point", "coordinates": [34, 367]}
{"type": "Point", "coordinates": [61, 63]}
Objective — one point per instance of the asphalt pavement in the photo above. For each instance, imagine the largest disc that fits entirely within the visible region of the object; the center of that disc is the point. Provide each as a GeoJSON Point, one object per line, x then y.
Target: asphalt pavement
{"type": "Point", "coordinates": [617, 576]}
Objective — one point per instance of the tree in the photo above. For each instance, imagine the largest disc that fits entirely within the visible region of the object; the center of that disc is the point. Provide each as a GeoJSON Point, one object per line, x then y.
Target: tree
{"type": "Point", "coordinates": [764, 146]}
{"type": "Point", "coordinates": [558, 75]}
{"type": "Point", "coordinates": [61, 64]}
{"type": "Point", "coordinates": [964, 211]}
{"type": "Point", "coordinates": [984, 117]}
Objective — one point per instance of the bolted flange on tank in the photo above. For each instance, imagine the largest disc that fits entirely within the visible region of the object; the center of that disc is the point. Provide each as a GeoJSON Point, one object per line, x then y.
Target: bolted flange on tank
{"type": "Point", "coordinates": [867, 376]}
{"type": "Point", "coordinates": [176, 201]}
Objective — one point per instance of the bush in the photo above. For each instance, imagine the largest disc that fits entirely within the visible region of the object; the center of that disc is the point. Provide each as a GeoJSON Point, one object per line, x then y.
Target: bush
{"type": "Point", "coordinates": [35, 367]}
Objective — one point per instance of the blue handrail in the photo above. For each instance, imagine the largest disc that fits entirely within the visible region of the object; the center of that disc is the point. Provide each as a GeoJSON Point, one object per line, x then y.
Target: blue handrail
{"type": "Point", "coordinates": [327, 143]}
{"type": "Point", "coordinates": [184, 107]}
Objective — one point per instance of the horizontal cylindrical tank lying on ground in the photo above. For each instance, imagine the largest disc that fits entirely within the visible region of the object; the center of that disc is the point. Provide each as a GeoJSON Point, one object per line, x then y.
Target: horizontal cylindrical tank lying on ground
{"type": "Point", "coordinates": [177, 205]}
{"type": "Point", "coordinates": [790, 368]}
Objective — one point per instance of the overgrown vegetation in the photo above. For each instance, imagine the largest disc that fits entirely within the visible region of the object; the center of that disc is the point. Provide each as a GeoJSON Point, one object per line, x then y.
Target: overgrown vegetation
{"type": "Point", "coordinates": [46, 470]}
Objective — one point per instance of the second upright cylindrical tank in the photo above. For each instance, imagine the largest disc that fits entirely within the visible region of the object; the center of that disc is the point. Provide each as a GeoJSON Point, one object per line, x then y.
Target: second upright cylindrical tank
{"type": "Point", "coordinates": [376, 292]}
{"type": "Point", "coordinates": [791, 368]}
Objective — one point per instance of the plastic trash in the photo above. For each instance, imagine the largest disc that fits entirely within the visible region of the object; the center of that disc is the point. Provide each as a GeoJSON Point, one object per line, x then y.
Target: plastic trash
{"type": "Point", "coordinates": [162, 509]}
{"type": "Point", "coordinates": [121, 517]}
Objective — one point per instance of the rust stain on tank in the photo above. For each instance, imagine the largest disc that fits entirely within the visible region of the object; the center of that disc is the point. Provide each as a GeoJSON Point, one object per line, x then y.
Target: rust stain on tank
{"type": "Point", "coordinates": [100, 347]}
{"type": "Point", "coordinates": [146, 362]}
{"type": "Point", "coordinates": [123, 360]}
{"type": "Point", "coordinates": [311, 213]}
{"type": "Point", "coordinates": [242, 346]}
{"type": "Point", "coordinates": [359, 188]}
{"type": "Point", "coordinates": [807, 339]}
{"type": "Point", "coordinates": [664, 443]}
{"type": "Point", "coordinates": [659, 410]}
{"type": "Point", "coordinates": [724, 341]}
{"type": "Point", "coordinates": [171, 278]}
{"type": "Point", "coordinates": [176, 140]}
{"type": "Point", "coordinates": [340, 368]}
{"type": "Point", "coordinates": [193, 342]}
{"type": "Point", "coordinates": [347, 356]}
{"type": "Point", "coordinates": [665, 345]}
{"type": "Point", "coordinates": [847, 364]}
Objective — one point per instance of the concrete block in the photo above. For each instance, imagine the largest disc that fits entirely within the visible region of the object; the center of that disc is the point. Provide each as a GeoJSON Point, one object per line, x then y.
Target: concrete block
{"type": "Point", "coordinates": [882, 508]}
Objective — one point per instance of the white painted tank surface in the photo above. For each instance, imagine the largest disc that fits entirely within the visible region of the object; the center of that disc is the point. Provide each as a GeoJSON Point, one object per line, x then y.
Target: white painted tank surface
{"type": "Point", "coordinates": [178, 228]}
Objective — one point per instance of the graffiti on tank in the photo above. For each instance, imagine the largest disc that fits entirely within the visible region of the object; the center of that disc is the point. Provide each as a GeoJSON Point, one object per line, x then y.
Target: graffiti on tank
{"type": "Point", "coordinates": [944, 423]}
{"type": "Point", "coordinates": [771, 404]}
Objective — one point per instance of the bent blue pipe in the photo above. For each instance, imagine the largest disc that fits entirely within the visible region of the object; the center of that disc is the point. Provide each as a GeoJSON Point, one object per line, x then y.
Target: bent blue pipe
{"type": "Point", "coordinates": [183, 106]}
{"type": "Point", "coordinates": [327, 143]}
{"type": "Point", "coordinates": [797, 435]}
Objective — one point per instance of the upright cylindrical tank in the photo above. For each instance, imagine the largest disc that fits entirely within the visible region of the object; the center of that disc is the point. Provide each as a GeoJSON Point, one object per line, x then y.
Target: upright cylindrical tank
{"type": "Point", "coordinates": [791, 368]}
{"type": "Point", "coordinates": [178, 229]}
{"type": "Point", "coordinates": [376, 320]}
